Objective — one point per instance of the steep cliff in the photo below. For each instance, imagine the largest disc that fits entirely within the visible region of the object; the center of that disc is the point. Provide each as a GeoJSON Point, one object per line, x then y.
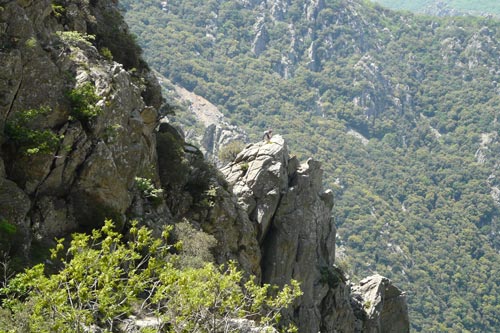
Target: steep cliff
{"type": "Point", "coordinates": [76, 127]}
{"type": "Point", "coordinates": [81, 141]}
{"type": "Point", "coordinates": [400, 108]}
{"type": "Point", "coordinates": [78, 118]}
{"type": "Point", "coordinates": [297, 236]}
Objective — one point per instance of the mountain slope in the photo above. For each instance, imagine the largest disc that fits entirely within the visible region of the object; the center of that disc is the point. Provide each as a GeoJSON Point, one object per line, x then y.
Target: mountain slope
{"type": "Point", "coordinates": [446, 7]}
{"type": "Point", "coordinates": [401, 109]}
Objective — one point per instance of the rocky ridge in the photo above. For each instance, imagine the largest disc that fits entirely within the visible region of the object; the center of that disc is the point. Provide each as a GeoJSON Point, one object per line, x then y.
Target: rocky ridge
{"type": "Point", "coordinates": [217, 132]}
{"type": "Point", "coordinates": [88, 173]}
{"type": "Point", "coordinates": [286, 200]}
{"type": "Point", "coordinates": [275, 221]}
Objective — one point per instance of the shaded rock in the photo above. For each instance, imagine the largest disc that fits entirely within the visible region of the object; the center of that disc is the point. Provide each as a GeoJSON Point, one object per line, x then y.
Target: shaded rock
{"type": "Point", "coordinates": [286, 200]}
{"type": "Point", "coordinates": [301, 243]}
{"type": "Point", "coordinates": [297, 235]}
{"type": "Point", "coordinates": [259, 175]}
{"type": "Point", "coordinates": [90, 174]}
{"type": "Point", "coordinates": [381, 306]}
{"type": "Point", "coordinates": [261, 38]}
{"type": "Point", "coordinates": [195, 190]}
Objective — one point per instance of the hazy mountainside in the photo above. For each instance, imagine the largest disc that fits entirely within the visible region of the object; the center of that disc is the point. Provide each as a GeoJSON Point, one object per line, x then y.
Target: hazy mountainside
{"type": "Point", "coordinates": [401, 109]}
{"type": "Point", "coordinates": [445, 7]}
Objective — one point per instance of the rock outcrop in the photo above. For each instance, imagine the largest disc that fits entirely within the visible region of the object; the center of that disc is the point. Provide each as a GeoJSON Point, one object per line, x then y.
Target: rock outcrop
{"type": "Point", "coordinates": [66, 169]}
{"type": "Point", "coordinates": [214, 130]}
{"type": "Point", "coordinates": [297, 236]}
{"type": "Point", "coordinates": [382, 305]}
{"type": "Point", "coordinates": [78, 119]}
{"type": "Point", "coordinates": [62, 170]}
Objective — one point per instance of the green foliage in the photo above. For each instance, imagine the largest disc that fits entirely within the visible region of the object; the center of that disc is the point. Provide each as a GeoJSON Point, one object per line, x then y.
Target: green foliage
{"type": "Point", "coordinates": [57, 9]}
{"type": "Point", "coordinates": [413, 201]}
{"type": "Point", "coordinates": [174, 167]}
{"type": "Point", "coordinates": [106, 53]}
{"type": "Point", "coordinates": [7, 228]}
{"type": "Point", "coordinates": [104, 280]}
{"type": "Point", "coordinates": [31, 43]}
{"type": "Point", "coordinates": [209, 197]}
{"type": "Point", "coordinates": [8, 232]}
{"type": "Point", "coordinates": [21, 129]}
{"type": "Point", "coordinates": [462, 6]}
{"type": "Point", "coordinates": [196, 245]}
{"type": "Point", "coordinates": [148, 190]}
{"type": "Point", "coordinates": [83, 101]}
{"type": "Point", "coordinates": [244, 167]}
{"type": "Point", "coordinates": [75, 38]}
{"type": "Point", "coordinates": [229, 152]}
{"type": "Point", "coordinates": [331, 277]}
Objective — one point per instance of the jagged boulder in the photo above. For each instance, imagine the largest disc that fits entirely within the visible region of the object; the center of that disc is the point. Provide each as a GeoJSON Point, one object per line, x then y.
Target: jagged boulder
{"type": "Point", "coordinates": [293, 212]}
{"type": "Point", "coordinates": [381, 306]}
{"type": "Point", "coordinates": [261, 38]}
{"type": "Point", "coordinates": [259, 176]}
{"type": "Point", "coordinates": [286, 200]}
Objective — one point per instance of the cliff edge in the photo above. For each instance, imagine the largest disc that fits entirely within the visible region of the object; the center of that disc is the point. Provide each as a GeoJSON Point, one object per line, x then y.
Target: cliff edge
{"type": "Point", "coordinates": [286, 200]}
{"type": "Point", "coordinates": [80, 141]}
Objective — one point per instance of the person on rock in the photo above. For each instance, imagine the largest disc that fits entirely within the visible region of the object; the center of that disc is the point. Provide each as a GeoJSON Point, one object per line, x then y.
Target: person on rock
{"type": "Point", "coordinates": [268, 135]}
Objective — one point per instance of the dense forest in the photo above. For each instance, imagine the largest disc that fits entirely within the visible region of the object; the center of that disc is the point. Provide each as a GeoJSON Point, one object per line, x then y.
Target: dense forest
{"type": "Point", "coordinates": [446, 6]}
{"type": "Point", "coordinates": [401, 109]}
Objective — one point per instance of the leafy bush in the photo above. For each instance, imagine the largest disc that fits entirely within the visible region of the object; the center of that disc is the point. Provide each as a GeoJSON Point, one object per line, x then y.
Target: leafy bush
{"type": "Point", "coordinates": [229, 152]}
{"type": "Point", "coordinates": [31, 42]}
{"type": "Point", "coordinates": [75, 38]}
{"type": "Point", "coordinates": [148, 190]}
{"type": "Point", "coordinates": [196, 245]}
{"type": "Point", "coordinates": [105, 279]}
{"type": "Point", "coordinates": [57, 10]}
{"type": "Point", "coordinates": [106, 53]}
{"type": "Point", "coordinates": [83, 101]}
{"type": "Point", "coordinates": [30, 140]}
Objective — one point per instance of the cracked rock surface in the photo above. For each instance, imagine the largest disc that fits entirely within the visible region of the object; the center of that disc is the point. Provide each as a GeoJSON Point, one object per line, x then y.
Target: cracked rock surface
{"type": "Point", "coordinates": [89, 173]}
{"type": "Point", "coordinates": [286, 200]}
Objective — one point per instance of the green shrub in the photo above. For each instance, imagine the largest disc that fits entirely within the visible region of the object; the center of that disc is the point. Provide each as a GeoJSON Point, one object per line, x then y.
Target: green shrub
{"type": "Point", "coordinates": [57, 10]}
{"type": "Point", "coordinates": [31, 140]}
{"type": "Point", "coordinates": [75, 38]}
{"type": "Point", "coordinates": [7, 233]}
{"type": "Point", "coordinates": [83, 101]}
{"type": "Point", "coordinates": [196, 245]}
{"type": "Point", "coordinates": [332, 276]}
{"type": "Point", "coordinates": [229, 152]}
{"type": "Point", "coordinates": [104, 280]}
{"type": "Point", "coordinates": [31, 43]}
{"type": "Point", "coordinates": [106, 53]}
{"type": "Point", "coordinates": [244, 167]}
{"type": "Point", "coordinates": [148, 190]}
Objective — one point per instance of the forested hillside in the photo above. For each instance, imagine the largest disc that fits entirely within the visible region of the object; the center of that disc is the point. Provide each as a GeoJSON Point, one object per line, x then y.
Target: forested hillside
{"type": "Point", "coordinates": [401, 109]}
{"type": "Point", "coordinates": [456, 7]}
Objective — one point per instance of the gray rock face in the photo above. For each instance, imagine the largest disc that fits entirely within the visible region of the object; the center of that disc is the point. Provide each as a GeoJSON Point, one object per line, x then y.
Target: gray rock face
{"type": "Point", "coordinates": [217, 132]}
{"type": "Point", "coordinates": [285, 199]}
{"type": "Point", "coordinates": [261, 39]}
{"type": "Point", "coordinates": [383, 304]}
{"type": "Point", "coordinates": [259, 176]}
{"type": "Point", "coordinates": [90, 173]}
{"type": "Point", "coordinates": [296, 232]}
